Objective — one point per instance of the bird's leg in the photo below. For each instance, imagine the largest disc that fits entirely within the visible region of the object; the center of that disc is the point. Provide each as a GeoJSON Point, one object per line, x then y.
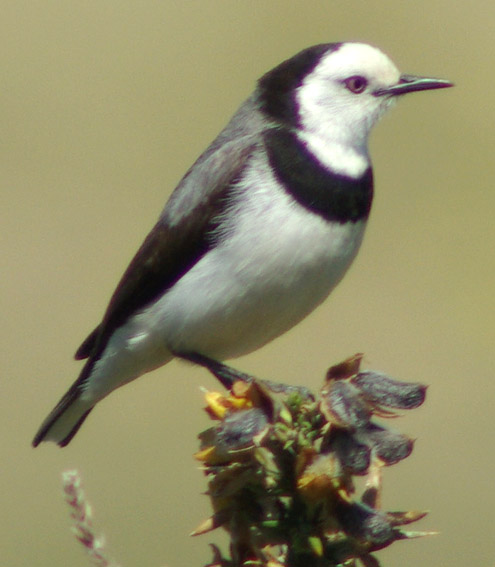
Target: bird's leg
{"type": "Point", "coordinates": [227, 375]}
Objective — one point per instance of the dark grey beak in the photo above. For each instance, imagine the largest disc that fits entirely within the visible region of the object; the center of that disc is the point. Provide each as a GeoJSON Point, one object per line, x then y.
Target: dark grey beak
{"type": "Point", "coordinates": [411, 83]}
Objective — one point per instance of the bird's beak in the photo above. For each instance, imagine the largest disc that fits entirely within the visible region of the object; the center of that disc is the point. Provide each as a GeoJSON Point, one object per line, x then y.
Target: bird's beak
{"type": "Point", "coordinates": [411, 83]}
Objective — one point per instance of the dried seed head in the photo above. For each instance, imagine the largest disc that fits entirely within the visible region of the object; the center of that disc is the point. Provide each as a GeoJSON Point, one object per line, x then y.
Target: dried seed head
{"type": "Point", "coordinates": [343, 405]}
{"type": "Point", "coordinates": [371, 527]}
{"type": "Point", "coordinates": [235, 434]}
{"type": "Point", "coordinates": [353, 455]}
{"type": "Point", "coordinates": [389, 446]}
{"type": "Point", "coordinates": [379, 389]}
{"type": "Point", "coordinates": [281, 467]}
{"type": "Point", "coordinates": [345, 369]}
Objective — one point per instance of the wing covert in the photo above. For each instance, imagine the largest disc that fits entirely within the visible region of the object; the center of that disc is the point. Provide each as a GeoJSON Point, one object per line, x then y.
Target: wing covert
{"type": "Point", "coordinates": [179, 239]}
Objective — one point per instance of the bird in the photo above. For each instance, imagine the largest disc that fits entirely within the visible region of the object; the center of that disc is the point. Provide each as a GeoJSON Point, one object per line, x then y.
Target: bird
{"type": "Point", "coordinates": [257, 233]}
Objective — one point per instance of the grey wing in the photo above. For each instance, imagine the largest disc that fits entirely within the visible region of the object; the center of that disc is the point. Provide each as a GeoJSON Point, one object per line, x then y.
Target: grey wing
{"type": "Point", "coordinates": [182, 235]}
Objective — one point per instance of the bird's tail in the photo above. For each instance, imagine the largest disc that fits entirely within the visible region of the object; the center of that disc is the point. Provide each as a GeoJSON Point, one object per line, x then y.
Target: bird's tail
{"type": "Point", "coordinates": [65, 419]}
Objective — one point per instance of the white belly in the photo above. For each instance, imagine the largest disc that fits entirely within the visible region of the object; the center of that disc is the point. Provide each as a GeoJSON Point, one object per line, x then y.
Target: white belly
{"type": "Point", "coordinates": [272, 264]}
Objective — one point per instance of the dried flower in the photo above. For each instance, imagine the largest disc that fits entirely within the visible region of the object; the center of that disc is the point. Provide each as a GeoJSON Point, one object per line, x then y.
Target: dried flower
{"type": "Point", "coordinates": [281, 463]}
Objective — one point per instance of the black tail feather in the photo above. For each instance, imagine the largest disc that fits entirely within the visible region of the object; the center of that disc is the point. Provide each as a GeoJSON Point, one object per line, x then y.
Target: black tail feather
{"type": "Point", "coordinates": [74, 430]}
{"type": "Point", "coordinates": [87, 347]}
{"type": "Point", "coordinates": [64, 405]}
{"type": "Point", "coordinates": [67, 400]}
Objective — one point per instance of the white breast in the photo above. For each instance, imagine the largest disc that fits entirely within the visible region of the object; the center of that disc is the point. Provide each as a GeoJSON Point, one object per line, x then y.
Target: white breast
{"type": "Point", "coordinates": [273, 264]}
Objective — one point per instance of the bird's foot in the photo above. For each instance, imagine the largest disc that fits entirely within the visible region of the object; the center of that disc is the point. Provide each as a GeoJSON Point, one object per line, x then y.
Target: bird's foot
{"type": "Point", "coordinates": [227, 375]}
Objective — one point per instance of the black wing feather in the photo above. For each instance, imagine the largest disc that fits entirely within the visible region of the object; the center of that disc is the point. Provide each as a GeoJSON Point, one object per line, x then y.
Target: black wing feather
{"type": "Point", "coordinates": [171, 249]}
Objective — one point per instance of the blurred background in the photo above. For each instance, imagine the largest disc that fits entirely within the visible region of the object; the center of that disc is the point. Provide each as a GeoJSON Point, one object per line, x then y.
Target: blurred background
{"type": "Point", "coordinates": [103, 107]}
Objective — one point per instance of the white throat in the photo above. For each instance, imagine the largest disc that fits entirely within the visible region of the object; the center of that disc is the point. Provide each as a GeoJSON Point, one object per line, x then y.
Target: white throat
{"type": "Point", "coordinates": [337, 156]}
{"type": "Point", "coordinates": [334, 122]}
{"type": "Point", "coordinates": [328, 133]}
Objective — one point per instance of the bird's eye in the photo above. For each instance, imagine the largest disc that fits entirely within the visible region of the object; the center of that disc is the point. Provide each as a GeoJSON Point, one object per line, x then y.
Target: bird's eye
{"type": "Point", "coordinates": [356, 84]}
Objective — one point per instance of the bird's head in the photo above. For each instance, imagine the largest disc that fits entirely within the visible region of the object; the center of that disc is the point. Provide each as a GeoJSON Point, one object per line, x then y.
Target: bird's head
{"type": "Point", "coordinates": [336, 92]}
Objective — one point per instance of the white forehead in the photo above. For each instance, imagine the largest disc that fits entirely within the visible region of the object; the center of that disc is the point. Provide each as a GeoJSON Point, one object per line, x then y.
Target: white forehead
{"type": "Point", "coordinates": [358, 59]}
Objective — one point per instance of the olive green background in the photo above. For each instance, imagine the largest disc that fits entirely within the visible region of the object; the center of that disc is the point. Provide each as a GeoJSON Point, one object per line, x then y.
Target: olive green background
{"type": "Point", "coordinates": [103, 106]}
